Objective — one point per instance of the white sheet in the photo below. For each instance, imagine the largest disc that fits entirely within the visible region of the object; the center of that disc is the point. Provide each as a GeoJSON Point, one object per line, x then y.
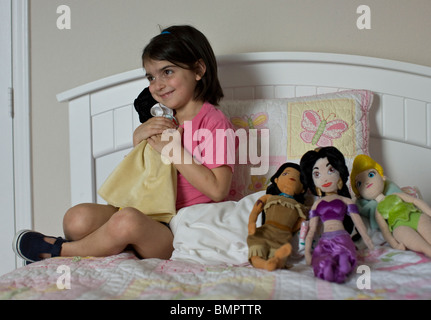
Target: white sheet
{"type": "Point", "coordinates": [213, 233]}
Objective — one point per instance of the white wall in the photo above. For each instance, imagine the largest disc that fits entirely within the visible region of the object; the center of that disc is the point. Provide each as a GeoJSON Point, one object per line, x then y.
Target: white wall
{"type": "Point", "coordinates": [107, 37]}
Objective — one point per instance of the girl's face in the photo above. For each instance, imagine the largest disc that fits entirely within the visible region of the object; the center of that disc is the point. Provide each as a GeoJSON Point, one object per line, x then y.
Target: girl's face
{"type": "Point", "coordinates": [369, 184]}
{"type": "Point", "coordinates": [325, 176]}
{"type": "Point", "coordinates": [289, 181]}
{"type": "Point", "coordinates": [170, 84]}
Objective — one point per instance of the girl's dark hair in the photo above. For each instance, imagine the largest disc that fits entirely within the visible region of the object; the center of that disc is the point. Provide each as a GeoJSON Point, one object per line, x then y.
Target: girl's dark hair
{"type": "Point", "coordinates": [273, 189]}
{"type": "Point", "coordinates": [184, 46]}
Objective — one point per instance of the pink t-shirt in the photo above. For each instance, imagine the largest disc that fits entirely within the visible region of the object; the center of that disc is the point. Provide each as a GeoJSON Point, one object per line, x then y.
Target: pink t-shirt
{"type": "Point", "coordinates": [204, 138]}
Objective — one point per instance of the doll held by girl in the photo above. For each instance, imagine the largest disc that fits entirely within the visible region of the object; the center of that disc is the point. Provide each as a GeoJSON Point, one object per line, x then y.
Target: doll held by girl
{"type": "Point", "coordinates": [325, 173]}
{"type": "Point", "coordinates": [269, 245]}
{"type": "Point", "coordinates": [405, 221]}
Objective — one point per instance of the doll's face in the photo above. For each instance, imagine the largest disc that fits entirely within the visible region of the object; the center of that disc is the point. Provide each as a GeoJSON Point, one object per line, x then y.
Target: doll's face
{"type": "Point", "coordinates": [325, 176]}
{"type": "Point", "coordinates": [369, 184]}
{"type": "Point", "coordinates": [289, 182]}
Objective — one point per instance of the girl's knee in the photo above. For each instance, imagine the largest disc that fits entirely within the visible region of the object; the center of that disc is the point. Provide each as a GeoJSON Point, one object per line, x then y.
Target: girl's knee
{"type": "Point", "coordinates": [77, 221]}
{"type": "Point", "coordinates": [127, 222]}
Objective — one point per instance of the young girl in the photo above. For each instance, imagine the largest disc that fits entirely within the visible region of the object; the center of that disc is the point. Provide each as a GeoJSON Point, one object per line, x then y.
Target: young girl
{"type": "Point", "coordinates": [324, 171]}
{"type": "Point", "coordinates": [182, 71]}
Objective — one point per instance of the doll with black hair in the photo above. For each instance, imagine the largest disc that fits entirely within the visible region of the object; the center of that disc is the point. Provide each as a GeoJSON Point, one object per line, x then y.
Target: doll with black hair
{"type": "Point", "coordinates": [282, 205]}
{"type": "Point", "coordinates": [325, 173]}
{"type": "Point", "coordinates": [147, 107]}
{"type": "Point", "coordinates": [143, 104]}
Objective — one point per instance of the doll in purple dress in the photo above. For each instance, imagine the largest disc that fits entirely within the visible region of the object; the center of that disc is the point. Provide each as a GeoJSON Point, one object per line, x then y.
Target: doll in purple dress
{"type": "Point", "coordinates": [325, 173]}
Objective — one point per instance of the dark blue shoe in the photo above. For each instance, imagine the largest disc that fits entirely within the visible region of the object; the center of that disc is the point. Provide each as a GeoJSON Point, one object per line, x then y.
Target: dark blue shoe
{"type": "Point", "coordinates": [29, 245]}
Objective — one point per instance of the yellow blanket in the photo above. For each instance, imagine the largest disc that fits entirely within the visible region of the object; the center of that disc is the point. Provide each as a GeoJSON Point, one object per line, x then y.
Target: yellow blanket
{"type": "Point", "coordinates": [144, 182]}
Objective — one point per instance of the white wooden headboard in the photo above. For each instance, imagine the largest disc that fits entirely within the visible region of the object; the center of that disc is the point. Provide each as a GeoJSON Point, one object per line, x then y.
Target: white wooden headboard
{"type": "Point", "coordinates": [102, 117]}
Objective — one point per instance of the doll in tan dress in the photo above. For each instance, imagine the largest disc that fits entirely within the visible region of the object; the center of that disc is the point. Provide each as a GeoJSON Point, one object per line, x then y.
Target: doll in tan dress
{"type": "Point", "coordinates": [269, 245]}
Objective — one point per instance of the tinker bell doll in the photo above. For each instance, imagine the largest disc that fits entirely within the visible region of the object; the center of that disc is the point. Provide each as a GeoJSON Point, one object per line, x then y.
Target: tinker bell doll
{"type": "Point", "coordinates": [405, 221]}
{"type": "Point", "coordinates": [325, 173]}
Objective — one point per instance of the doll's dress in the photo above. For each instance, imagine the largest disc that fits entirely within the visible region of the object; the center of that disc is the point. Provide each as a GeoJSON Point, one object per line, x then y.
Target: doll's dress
{"type": "Point", "coordinates": [283, 217]}
{"type": "Point", "coordinates": [367, 208]}
{"type": "Point", "coordinates": [398, 212]}
{"type": "Point", "coordinates": [334, 257]}
{"type": "Point", "coordinates": [145, 182]}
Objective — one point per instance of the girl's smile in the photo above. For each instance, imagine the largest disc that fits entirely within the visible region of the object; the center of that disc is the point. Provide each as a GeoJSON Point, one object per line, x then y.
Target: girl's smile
{"type": "Point", "coordinates": [167, 94]}
{"type": "Point", "coordinates": [174, 87]}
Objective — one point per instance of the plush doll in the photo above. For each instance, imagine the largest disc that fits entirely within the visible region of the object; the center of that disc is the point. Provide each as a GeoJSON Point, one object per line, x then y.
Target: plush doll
{"type": "Point", "coordinates": [143, 104]}
{"type": "Point", "coordinates": [147, 107]}
{"type": "Point", "coordinates": [142, 180]}
{"type": "Point", "coordinates": [269, 245]}
{"type": "Point", "coordinates": [325, 173]}
{"type": "Point", "coordinates": [404, 221]}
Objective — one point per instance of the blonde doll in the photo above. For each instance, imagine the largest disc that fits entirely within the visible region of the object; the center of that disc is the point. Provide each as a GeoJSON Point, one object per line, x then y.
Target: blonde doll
{"type": "Point", "coordinates": [404, 221]}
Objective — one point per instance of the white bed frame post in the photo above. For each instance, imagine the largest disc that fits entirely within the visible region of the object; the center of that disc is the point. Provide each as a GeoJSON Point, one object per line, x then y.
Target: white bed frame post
{"type": "Point", "coordinates": [81, 159]}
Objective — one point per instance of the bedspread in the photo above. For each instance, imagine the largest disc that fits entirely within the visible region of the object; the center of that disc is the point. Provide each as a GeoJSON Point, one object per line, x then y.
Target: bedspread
{"type": "Point", "coordinates": [383, 273]}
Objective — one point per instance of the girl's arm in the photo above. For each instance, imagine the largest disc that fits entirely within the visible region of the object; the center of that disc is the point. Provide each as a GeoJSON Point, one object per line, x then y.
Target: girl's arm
{"type": "Point", "coordinates": [151, 127]}
{"type": "Point", "coordinates": [214, 183]}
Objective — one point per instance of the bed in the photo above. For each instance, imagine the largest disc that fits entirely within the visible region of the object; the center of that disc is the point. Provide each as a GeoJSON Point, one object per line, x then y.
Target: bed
{"type": "Point", "coordinates": [386, 108]}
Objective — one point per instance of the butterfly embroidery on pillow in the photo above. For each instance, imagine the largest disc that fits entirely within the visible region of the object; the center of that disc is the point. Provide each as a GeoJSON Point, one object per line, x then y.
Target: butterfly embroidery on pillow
{"type": "Point", "coordinates": [253, 121]}
{"type": "Point", "coordinates": [319, 130]}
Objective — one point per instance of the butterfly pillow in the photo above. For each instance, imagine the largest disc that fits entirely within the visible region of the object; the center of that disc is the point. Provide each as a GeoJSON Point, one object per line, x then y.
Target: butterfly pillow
{"type": "Point", "coordinates": [338, 119]}
{"type": "Point", "coordinates": [294, 126]}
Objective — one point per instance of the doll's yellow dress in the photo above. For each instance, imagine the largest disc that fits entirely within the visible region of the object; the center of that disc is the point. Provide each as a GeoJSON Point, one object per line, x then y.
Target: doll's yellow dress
{"type": "Point", "coordinates": [143, 181]}
{"type": "Point", "coordinates": [398, 212]}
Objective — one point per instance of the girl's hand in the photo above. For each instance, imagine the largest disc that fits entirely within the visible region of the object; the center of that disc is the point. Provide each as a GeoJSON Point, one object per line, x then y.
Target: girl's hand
{"type": "Point", "coordinates": [151, 127]}
{"type": "Point", "coordinates": [173, 136]}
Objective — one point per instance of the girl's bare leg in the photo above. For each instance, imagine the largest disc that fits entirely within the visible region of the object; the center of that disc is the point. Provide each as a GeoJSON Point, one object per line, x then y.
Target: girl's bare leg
{"type": "Point", "coordinates": [149, 238]}
{"type": "Point", "coordinates": [83, 219]}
